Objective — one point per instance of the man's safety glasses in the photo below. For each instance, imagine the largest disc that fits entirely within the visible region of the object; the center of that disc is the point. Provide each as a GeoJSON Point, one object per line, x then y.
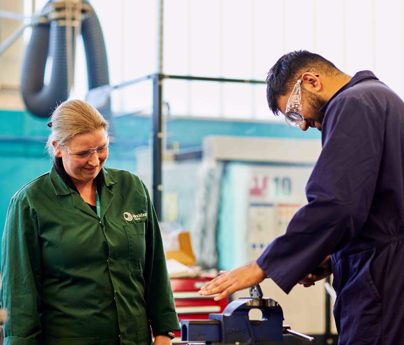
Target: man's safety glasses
{"type": "Point", "coordinates": [293, 112]}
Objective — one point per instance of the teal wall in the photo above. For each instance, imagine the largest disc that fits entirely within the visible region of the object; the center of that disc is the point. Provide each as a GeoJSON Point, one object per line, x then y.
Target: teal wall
{"type": "Point", "coordinates": [22, 153]}
{"type": "Point", "coordinates": [23, 156]}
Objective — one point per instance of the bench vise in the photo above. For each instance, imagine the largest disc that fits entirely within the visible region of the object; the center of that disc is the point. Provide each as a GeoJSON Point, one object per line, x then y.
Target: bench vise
{"type": "Point", "coordinates": [235, 327]}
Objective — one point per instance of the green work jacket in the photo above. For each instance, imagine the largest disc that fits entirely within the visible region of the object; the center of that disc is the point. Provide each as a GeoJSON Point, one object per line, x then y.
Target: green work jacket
{"type": "Point", "coordinates": [71, 277]}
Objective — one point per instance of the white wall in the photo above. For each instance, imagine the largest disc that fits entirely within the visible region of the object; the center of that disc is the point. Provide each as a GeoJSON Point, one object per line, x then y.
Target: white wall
{"type": "Point", "coordinates": [10, 60]}
{"type": "Point", "coordinates": [237, 39]}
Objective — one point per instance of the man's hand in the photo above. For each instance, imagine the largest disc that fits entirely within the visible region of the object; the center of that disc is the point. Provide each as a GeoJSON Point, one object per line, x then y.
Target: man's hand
{"type": "Point", "coordinates": [322, 271]}
{"type": "Point", "coordinates": [229, 282]}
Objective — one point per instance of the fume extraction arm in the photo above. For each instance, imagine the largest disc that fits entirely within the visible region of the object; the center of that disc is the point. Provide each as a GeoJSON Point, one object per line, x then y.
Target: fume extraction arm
{"type": "Point", "coordinates": [48, 63]}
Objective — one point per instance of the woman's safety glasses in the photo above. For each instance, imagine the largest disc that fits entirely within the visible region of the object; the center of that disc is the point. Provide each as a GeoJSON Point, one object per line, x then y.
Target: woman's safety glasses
{"type": "Point", "coordinates": [85, 154]}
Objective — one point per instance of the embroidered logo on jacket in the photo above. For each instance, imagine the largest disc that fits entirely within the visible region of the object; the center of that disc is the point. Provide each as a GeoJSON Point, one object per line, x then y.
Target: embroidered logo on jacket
{"type": "Point", "coordinates": [139, 217]}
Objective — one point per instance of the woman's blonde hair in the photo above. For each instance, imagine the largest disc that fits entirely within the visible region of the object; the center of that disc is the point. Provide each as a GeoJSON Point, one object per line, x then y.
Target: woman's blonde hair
{"type": "Point", "coordinates": [71, 118]}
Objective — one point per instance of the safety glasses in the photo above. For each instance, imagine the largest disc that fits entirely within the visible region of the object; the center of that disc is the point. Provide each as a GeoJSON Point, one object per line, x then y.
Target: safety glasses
{"type": "Point", "coordinates": [293, 112]}
{"type": "Point", "coordinates": [85, 154]}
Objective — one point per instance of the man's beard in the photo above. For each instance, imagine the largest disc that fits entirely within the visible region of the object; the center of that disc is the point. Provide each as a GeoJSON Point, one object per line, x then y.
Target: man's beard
{"type": "Point", "coordinates": [316, 103]}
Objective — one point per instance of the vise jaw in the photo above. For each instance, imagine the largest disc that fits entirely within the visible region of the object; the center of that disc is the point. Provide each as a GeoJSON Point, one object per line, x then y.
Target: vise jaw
{"type": "Point", "coordinates": [235, 327]}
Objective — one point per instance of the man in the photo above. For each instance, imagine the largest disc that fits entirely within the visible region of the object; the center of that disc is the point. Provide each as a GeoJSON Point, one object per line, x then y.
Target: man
{"type": "Point", "coordinates": [353, 223]}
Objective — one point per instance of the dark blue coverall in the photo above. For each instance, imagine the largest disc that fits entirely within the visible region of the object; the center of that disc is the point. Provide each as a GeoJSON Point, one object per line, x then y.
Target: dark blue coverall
{"type": "Point", "coordinates": [355, 212]}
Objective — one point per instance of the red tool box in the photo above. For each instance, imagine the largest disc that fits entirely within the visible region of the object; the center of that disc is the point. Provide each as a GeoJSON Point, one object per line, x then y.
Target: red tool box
{"type": "Point", "coordinates": [189, 304]}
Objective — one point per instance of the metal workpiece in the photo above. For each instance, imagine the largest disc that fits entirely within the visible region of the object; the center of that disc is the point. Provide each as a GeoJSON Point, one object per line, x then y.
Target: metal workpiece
{"type": "Point", "coordinates": [234, 326]}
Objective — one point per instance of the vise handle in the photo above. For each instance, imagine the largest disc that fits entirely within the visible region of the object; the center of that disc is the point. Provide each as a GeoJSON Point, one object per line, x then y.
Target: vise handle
{"type": "Point", "coordinates": [288, 330]}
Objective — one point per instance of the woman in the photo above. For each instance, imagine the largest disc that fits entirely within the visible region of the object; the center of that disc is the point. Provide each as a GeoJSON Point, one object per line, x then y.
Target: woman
{"type": "Point", "coordinates": [83, 260]}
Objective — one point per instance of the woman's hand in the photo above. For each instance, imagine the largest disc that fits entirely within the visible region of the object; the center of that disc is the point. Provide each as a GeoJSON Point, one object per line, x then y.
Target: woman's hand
{"type": "Point", "coordinates": [162, 340]}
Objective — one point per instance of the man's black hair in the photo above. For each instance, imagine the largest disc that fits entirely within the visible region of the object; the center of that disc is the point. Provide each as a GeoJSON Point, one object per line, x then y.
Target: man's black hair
{"type": "Point", "coordinates": [286, 71]}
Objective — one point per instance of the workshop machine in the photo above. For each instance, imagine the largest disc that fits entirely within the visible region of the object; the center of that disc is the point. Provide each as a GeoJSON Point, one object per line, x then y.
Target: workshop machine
{"type": "Point", "coordinates": [234, 326]}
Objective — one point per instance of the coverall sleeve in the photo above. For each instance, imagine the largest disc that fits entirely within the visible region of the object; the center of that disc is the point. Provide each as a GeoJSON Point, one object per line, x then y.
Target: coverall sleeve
{"type": "Point", "coordinates": [159, 298]}
{"type": "Point", "coordinates": [20, 268]}
{"type": "Point", "coordinates": [339, 193]}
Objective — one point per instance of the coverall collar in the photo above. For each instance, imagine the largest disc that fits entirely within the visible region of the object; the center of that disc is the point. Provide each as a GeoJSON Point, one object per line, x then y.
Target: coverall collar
{"type": "Point", "coordinates": [356, 79]}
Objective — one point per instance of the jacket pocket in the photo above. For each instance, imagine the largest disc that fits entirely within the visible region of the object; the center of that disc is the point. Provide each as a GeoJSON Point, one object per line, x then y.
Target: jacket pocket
{"type": "Point", "coordinates": [135, 233]}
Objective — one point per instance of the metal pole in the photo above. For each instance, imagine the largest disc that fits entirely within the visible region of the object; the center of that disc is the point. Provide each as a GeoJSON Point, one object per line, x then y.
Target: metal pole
{"type": "Point", "coordinates": [157, 115]}
{"type": "Point", "coordinates": [328, 335]}
{"type": "Point", "coordinates": [157, 143]}
{"type": "Point", "coordinates": [160, 37]}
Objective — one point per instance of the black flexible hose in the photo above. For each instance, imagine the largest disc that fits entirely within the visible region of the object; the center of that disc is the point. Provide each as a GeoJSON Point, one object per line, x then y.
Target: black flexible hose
{"type": "Point", "coordinates": [48, 40]}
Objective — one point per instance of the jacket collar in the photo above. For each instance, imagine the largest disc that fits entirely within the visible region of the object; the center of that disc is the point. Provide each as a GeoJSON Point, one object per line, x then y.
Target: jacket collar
{"type": "Point", "coordinates": [106, 177]}
{"type": "Point", "coordinates": [63, 185]}
{"type": "Point", "coordinates": [59, 185]}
